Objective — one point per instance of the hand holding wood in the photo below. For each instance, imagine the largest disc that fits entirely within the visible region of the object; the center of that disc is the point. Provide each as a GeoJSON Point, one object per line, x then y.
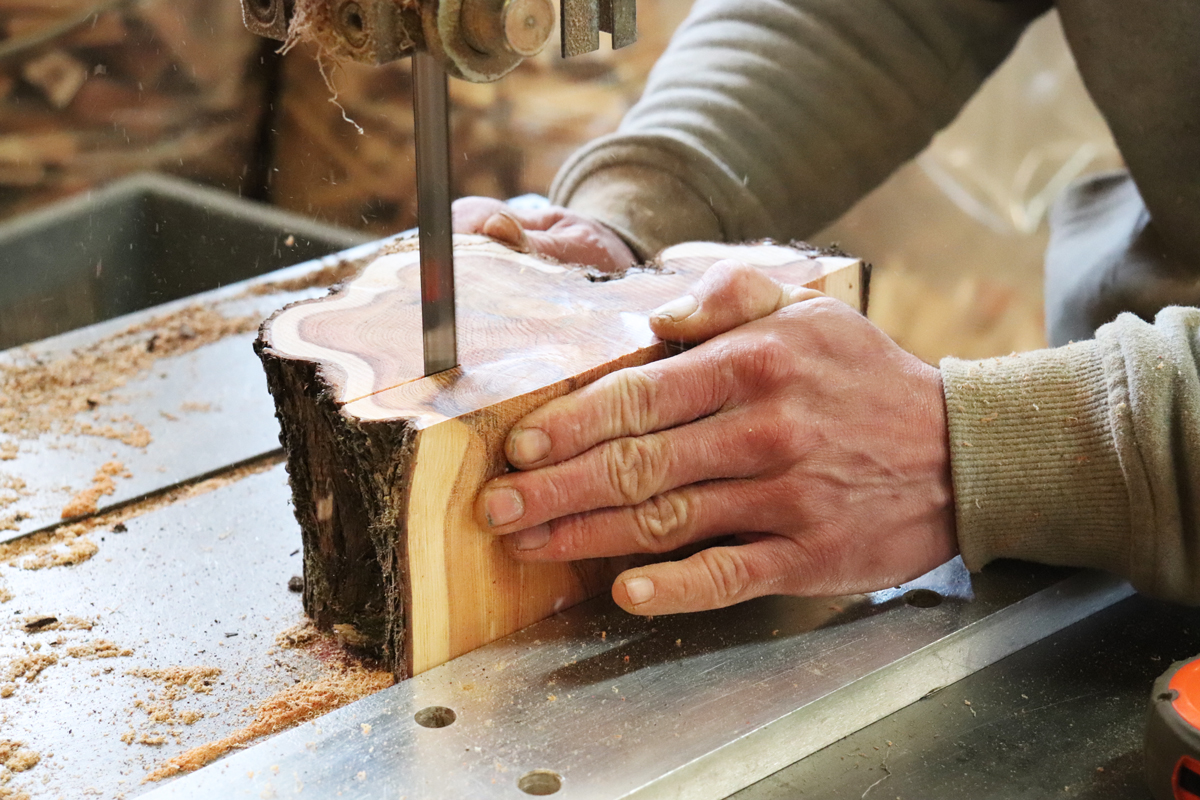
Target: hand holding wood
{"type": "Point", "coordinates": [805, 432]}
{"type": "Point", "coordinates": [385, 463]}
{"type": "Point", "coordinates": [554, 232]}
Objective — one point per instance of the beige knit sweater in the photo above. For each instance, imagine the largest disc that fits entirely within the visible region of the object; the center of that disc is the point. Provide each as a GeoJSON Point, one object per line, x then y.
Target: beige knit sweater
{"type": "Point", "coordinates": [769, 118]}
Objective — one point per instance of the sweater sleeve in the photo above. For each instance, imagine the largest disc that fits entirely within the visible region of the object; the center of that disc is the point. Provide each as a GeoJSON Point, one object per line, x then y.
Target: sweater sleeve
{"type": "Point", "coordinates": [769, 118]}
{"type": "Point", "coordinates": [1085, 455]}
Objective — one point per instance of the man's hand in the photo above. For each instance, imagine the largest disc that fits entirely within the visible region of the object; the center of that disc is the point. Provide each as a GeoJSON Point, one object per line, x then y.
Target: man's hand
{"type": "Point", "coordinates": [554, 232]}
{"type": "Point", "coordinates": [801, 429]}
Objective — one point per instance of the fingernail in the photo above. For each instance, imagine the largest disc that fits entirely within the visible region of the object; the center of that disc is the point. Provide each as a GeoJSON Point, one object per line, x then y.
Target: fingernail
{"type": "Point", "coordinates": [532, 539]}
{"type": "Point", "coordinates": [678, 310]}
{"type": "Point", "coordinates": [503, 228]}
{"type": "Point", "coordinates": [528, 445]}
{"type": "Point", "coordinates": [639, 590]}
{"type": "Point", "coordinates": [503, 506]}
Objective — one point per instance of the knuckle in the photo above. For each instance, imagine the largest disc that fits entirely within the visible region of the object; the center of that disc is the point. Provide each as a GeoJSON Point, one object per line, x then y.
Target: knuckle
{"type": "Point", "coordinates": [658, 519]}
{"type": "Point", "coordinates": [765, 362]}
{"type": "Point", "coordinates": [632, 466]}
{"type": "Point", "coordinates": [636, 400]}
{"type": "Point", "coordinates": [777, 436]}
{"type": "Point", "coordinates": [725, 575]}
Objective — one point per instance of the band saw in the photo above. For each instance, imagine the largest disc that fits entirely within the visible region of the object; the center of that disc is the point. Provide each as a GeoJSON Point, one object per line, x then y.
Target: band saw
{"type": "Point", "coordinates": [191, 544]}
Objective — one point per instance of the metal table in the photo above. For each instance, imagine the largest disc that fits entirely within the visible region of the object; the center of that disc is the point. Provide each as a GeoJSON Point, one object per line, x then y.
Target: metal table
{"type": "Point", "coordinates": [591, 703]}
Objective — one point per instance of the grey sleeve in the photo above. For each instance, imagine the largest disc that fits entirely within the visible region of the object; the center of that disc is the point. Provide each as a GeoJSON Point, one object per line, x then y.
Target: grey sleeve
{"type": "Point", "coordinates": [1085, 455]}
{"type": "Point", "coordinates": [769, 118]}
{"type": "Point", "coordinates": [1107, 256]}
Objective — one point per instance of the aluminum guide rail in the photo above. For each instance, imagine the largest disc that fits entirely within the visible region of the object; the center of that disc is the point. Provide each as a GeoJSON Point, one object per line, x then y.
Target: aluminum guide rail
{"type": "Point", "coordinates": [696, 706]}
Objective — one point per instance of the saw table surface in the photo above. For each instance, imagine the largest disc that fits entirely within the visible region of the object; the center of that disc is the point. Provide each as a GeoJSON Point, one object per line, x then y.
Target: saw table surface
{"type": "Point", "coordinates": [590, 703]}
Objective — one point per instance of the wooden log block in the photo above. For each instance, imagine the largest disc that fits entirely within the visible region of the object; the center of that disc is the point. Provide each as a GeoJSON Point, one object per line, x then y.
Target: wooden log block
{"type": "Point", "coordinates": [385, 464]}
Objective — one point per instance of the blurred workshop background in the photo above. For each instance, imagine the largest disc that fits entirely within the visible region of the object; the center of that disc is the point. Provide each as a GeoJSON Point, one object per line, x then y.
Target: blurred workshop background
{"type": "Point", "coordinates": [92, 91]}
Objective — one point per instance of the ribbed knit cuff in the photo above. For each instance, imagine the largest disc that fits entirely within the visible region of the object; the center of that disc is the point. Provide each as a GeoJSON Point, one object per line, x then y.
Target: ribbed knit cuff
{"type": "Point", "coordinates": [1035, 468]}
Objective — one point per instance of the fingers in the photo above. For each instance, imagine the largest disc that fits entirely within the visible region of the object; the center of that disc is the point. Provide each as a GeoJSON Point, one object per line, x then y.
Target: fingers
{"type": "Point", "coordinates": [661, 524]}
{"type": "Point", "coordinates": [625, 472]}
{"type": "Point", "coordinates": [552, 232]}
{"type": "Point", "coordinates": [629, 402]}
{"type": "Point", "coordinates": [730, 294]}
{"type": "Point", "coordinates": [468, 214]}
{"type": "Point", "coordinates": [713, 578]}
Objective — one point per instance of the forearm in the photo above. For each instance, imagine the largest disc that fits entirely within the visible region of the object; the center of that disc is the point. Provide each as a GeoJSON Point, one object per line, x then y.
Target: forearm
{"type": "Point", "coordinates": [770, 118]}
{"type": "Point", "coordinates": [1086, 455]}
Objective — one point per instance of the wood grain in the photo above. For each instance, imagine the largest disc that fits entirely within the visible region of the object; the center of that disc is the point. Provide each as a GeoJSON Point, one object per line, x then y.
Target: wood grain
{"type": "Point", "coordinates": [385, 463]}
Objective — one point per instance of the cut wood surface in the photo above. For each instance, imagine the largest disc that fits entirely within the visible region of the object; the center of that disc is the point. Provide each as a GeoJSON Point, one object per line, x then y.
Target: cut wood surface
{"type": "Point", "coordinates": [385, 464]}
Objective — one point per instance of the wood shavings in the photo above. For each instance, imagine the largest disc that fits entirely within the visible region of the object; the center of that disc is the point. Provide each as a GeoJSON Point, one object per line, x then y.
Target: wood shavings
{"type": "Point", "coordinates": [61, 547]}
{"type": "Point", "coordinates": [84, 503]}
{"type": "Point", "coordinates": [11, 522]}
{"type": "Point", "coordinates": [29, 666]}
{"type": "Point", "coordinates": [12, 489]}
{"type": "Point", "coordinates": [297, 636]}
{"type": "Point", "coordinates": [319, 279]}
{"type": "Point", "coordinates": [38, 623]}
{"type": "Point", "coordinates": [16, 757]}
{"type": "Point", "coordinates": [162, 712]}
{"type": "Point", "coordinates": [292, 706]}
{"type": "Point", "coordinates": [41, 396]}
{"type": "Point", "coordinates": [98, 648]}
{"type": "Point", "coordinates": [68, 545]}
{"type": "Point", "coordinates": [198, 679]}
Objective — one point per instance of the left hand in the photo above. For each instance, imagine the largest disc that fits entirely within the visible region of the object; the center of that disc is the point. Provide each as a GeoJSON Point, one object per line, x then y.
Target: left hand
{"type": "Point", "coordinates": [798, 427]}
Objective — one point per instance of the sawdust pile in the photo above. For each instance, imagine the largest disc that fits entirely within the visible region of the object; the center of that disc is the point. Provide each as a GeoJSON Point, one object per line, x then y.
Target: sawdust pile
{"type": "Point", "coordinates": [151, 739]}
{"type": "Point", "coordinates": [29, 665]}
{"type": "Point", "coordinates": [15, 756]}
{"type": "Point", "coordinates": [12, 521]}
{"type": "Point", "coordinates": [85, 502]}
{"type": "Point", "coordinates": [159, 706]}
{"type": "Point", "coordinates": [12, 489]}
{"type": "Point", "coordinates": [318, 279]}
{"type": "Point", "coordinates": [292, 706]}
{"type": "Point", "coordinates": [198, 679]}
{"type": "Point", "coordinates": [43, 395]}
{"type": "Point", "coordinates": [40, 623]}
{"type": "Point", "coordinates": [162, 711]}
{"type": "Point", "coordinates": [62, 547]}
{"type": "Point", "coordinates": [8, 793]}
{"type": "Point", "coordinates": [98, 648]}
{"type": "Point", "coordinates": [296, 636]}
{"type": "Point", "coordinates": [69, 545]}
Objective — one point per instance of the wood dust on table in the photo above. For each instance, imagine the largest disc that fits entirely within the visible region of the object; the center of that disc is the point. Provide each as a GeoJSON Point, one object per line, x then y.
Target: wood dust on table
{"type": "Point", "coordinates": [46, 395]}
{"type": "Point", "coordinates": [348, 679]}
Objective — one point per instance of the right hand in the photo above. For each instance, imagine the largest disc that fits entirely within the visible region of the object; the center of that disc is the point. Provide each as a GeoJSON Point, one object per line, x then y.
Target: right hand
{"type": "Point", "coordinates": [554, 232]}
{"type": "Point", "coordinates": [798, 427]}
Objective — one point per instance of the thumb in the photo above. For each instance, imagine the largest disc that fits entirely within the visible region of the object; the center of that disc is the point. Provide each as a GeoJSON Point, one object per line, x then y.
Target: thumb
{"type": "Point", "coordinates": [730, 294]}
{"type": "Point", "coordinates": [713, 578]}
{"type": "Point", "coordinates": [506, 228]}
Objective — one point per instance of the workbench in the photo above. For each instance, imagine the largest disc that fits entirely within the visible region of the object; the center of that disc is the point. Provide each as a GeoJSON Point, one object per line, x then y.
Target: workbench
{"type": "Point", "coordinates": [195, 547]}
